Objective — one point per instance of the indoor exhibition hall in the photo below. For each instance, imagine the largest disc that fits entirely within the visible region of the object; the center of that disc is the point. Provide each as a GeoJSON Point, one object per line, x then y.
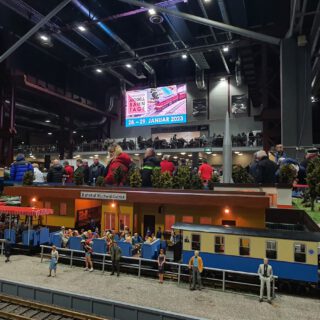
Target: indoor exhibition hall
{"type": "Point", "coordinates": [160, 159]}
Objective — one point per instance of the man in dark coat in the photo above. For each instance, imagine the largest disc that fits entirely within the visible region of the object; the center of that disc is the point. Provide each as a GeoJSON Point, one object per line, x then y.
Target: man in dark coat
{"type": "Point", "coordinates": [19, 168]}
{"type": "Point", "coordinates": [96, 170]}
{"type": "Point", "coordinates": [266, 169]}
{"type": "Point", "coordinates": [150, 162]}
{"type": "Point", "coordinates": [115, 253]}
{"type": "Point", "coordinates": [56, 172]}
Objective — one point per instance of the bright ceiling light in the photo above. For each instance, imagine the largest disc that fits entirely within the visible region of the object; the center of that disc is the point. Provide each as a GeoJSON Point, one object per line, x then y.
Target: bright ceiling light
{"type": "Point", "coordinates": [50, 133]}
{"type": "Point", "coordinates": [91, 157]}
{"type": "Point", "coordinates": [184, 56]}
{"type": "Point", "coordinates": [159, 154]}
{"type": "Point", "coordinates": [136, 154]}
{"type": "Point", "coordinates": [74, 131]}
{"type": "Point", "coordinates": [222, 79]}
{"type": "Point", "coordinates": [240, 154]}
{"type": "Point", "coordinates": [82, 28]}
{"type": "Point", "coordinates": [189, 155]}
{"type": "Point", "coordinates": [214, 154]}
{"type": "Point", "coordinates": [82, 136]}
{"type": "Point", "coordinates": [128, 65]}
{"type": "Point", "coordinates": [182, 153]}
{"type": "Point", "coordinates": [48, 121]}
{"type": "Point", "coordinates": [44, 38]}
{"type": "Point", "coordinates": [175, 157]}
{"type": "Point", "coordinates": [152, 12]}
{"type": "Point", "coordinates": [98, 70]}
{"type": "Point", "coordinates": [225, 49]}
{"type": "Point", "coordinates": [237, 152]}
{"type": "Point", "coordinates": [207, 1]}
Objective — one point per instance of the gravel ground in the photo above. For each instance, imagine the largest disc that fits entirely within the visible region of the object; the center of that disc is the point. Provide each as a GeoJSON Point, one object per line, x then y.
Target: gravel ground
{"type": "Point", "coordinates": [146, 292]}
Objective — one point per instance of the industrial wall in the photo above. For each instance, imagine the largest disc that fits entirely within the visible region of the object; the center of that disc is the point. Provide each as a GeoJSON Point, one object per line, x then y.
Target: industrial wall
{"type": "Point", "coordinates": [217, 96]}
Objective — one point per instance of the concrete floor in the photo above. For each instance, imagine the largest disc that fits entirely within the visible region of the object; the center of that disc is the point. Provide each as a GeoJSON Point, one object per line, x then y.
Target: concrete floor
{"type": "Point", "coordinates": [147, 292]}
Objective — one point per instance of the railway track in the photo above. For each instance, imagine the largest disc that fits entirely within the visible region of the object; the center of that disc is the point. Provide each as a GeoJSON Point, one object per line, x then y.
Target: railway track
{"type": "Point", "coordinates": [12, 308]}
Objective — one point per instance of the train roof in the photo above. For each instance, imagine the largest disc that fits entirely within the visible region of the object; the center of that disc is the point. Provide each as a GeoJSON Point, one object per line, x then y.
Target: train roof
{"type": "Point", "coordinates": [266, 233]}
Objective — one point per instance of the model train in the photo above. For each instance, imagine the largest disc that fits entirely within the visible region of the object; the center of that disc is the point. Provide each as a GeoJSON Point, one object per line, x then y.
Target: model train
{"type": "Point", "coordinates": [166, 102]}
{"type": "Point", "coordinates": [293, 254]}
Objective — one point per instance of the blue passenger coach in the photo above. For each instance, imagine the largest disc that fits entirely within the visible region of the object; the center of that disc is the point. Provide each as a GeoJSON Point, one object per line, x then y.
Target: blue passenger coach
{"type": "Point", "coordinates": [292, 254]}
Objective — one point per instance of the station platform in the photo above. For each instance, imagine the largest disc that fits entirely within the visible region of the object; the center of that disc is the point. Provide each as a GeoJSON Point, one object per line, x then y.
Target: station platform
{"type": "Point", "coordinates": [145, 292]}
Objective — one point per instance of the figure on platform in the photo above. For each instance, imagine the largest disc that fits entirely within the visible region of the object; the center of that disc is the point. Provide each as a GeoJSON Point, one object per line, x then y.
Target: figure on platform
{"type": "Point", "coordinates": [96, 170]}
{"type": "Point", "coordinates": [19, 168]}
{"type": "Point", "coordinates": [69, 172]}
{"type": "Point", "coordinates": [86, 244]}
{"type": "Point", "coordinates": [115, 253]}
{"type": "Point", "coordinates": [166, 165]}
{"type": "Point", "coordinates": [265, 273]}
{"type": "Point", "coordinates": [56, 172]}
{"type": "Point", "coordinates": [118, 160]}
{"type": "Point", "coordinates": [196, 266]}
{"type": "Point", "coordinates": [150, 162]}
{"type": "Point", "coordinates": [53, 261]}
{"type": "Point", "coordinates": [161, 262]}
{"type": "Point", "coordinates": [7, 250]}
{"type": "Point", "coordinates": [38, 175]}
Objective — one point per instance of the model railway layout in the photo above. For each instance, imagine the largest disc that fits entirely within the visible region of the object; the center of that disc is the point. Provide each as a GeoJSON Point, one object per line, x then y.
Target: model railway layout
{"type": "Point", "coordinates": [19, 309]}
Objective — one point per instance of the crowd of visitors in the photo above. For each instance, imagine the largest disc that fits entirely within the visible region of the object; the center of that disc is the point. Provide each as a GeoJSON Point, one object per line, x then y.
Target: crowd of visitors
{"type": "Point", "coordinates": [265, 168]}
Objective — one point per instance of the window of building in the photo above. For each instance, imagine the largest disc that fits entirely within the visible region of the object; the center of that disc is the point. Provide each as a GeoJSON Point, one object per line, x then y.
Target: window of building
{"type": "Point", "coordinates": [205, 220]}
{"type": "Point", "coordinates": [271, 249]}
{"type": "Point", "coordinates": [195, 242]}
{"type": "Point", "coordinates": [124, 221]}
{"type": "Point", "coordinates": [187, 219]}
{"type": "Point", "coordinates": [47, 204]}
{"type": "Point", "coordinates": [244, 247]}
{"type": "Point", "coordinates": [110, 220]}
{"type": "Point", "coordinates": [219, 244]}
{"type": "Point", "coordinates": [169, 221]}
{"type": "Point", "coordinates": [299, 252]}
{"type": "Point", "coordinates": [63, 209]}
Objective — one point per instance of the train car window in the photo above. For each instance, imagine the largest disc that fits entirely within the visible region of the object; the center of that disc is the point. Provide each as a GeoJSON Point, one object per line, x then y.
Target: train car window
{"type": "Point", "coordinates": [244, 249]}
{"type": "Point", "coordinates": [228, 223]}
{"type": "Point", "coordinates": [271, 249]}
{"type": "Point", "coordinates": [195, 242]}
{"type": "Point", "coordinates": [299, 252]}
{"type": "Point", "coordinates": [219, 244]}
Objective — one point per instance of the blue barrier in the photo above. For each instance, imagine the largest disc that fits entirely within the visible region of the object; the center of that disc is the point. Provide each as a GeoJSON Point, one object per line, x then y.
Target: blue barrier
{"type": "Point", "coordinates": [27, 237]}
{"type": "Point", "coordinates": [99, 246]}
{"type": "Point", "coordinates": [75, 243]}
{"type": "Point", "coordinates": [150, 250]}
{"type": "Point", "coordinates": [10, 235]}
{"type": "Point", "coordinates": [126, 248]}
{"type": "Point", "coordinates": [56, 240]}
{"type": "Point", "coordinates": [44, 236]}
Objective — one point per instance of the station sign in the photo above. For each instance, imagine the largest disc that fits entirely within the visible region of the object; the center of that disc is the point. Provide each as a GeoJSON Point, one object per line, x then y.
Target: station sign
{"type": "Point", "coordinates": [103, 195]}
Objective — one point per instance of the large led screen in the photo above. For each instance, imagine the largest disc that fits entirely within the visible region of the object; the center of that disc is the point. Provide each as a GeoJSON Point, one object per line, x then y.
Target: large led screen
{"type": "Point", "coordinates": [155, 106]}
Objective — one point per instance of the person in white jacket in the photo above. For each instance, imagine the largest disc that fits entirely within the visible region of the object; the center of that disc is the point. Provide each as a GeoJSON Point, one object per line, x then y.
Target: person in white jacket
{"type": "Point", "coordinates": [38, 175]}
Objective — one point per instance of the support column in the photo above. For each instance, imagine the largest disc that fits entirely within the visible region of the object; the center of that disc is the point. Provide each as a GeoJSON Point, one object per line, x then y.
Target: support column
{"type": "Point", "coordinates": [61, 142]}
{"type": "Point", "coordinates": [296, 116]}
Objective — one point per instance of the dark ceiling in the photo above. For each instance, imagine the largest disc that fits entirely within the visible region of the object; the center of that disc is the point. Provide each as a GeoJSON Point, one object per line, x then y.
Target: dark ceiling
{"type": "Point", "coordinates": [117, 34]}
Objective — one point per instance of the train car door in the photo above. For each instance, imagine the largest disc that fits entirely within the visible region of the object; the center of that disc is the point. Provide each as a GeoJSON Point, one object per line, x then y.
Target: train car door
{"type": "Point", "coordinates": [149, 224]}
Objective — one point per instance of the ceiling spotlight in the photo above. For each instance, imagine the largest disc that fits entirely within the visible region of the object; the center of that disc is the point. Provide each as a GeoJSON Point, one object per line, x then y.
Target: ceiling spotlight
{"type": "Point", "coordinates": [98, 70]}
{"type": "Point", "coordinates": [240, 154]}
{"type": "Point", "coordinates": [207, 1]}
{"type": "Point", "coordinates": [225, 49]}
{"type": "Point", "coordinates": [237, 152]}
{"type": "Point", "coordinates": [182, 153]}
{"type": "Point", "coordinates": [222, 79]}
{"type": "Point", "coordinates": [82, 136]}
{"type": "Point", "coordinates": [44, 38]}
{"type": "Point", "coordinates": [50, 133]}
{"type": "Point", "coordinates": [189, 155]}
{"type": "Point", "coordinates": [82, 28]}
{"type": "Point", "coordinates": [184, 56]}
{"type": "Point", "coordinates": [128, 65]}
{"type": "Point", "coordinates": [47, 121]}
{"type": "Point", "coordinates": [214, 154]}
{"type": "Point", "coordinates": [136, 154]}
{"type": "Point", "coordinates": [152, 12]}
{"type": "Point", "coordinates": [74, 131]}
{"type": "Point", "coordinates": [159, 154]}
{"type": "Point", "coordinates": [175, 157]}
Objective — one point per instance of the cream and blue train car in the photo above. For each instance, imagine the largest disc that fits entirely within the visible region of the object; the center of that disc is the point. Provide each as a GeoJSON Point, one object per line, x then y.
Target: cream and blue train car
{"type": "Point", "coordinates": [292, 254]}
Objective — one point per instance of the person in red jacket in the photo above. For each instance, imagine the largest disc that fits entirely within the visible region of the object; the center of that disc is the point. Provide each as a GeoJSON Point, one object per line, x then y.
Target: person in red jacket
{"type": "Point", "coordinates": [69, 172]}
{"type": "Point", "coordinates": [205, 171]}
{"type": "Point", "coordinates": [119, 159]}
{"type": "Point", "coordinates": [166, 165]}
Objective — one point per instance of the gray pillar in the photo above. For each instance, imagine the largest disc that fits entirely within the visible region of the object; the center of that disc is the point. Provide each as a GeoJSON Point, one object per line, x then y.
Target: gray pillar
{"type": "Point", "coordinates": [296, 116]}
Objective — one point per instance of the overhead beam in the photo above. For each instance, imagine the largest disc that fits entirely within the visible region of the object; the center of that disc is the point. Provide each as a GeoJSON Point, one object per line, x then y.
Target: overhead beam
{"type": "Point", "coordinates": [207, 22]}
{"type": "Point", "coordinates": [34, 29]}
{"type": "Point", "coordinates": [294, 10]}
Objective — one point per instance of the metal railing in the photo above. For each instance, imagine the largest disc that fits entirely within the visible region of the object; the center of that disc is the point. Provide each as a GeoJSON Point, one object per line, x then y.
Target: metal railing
{"type": "Point", "coordinates": [175, 270]}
